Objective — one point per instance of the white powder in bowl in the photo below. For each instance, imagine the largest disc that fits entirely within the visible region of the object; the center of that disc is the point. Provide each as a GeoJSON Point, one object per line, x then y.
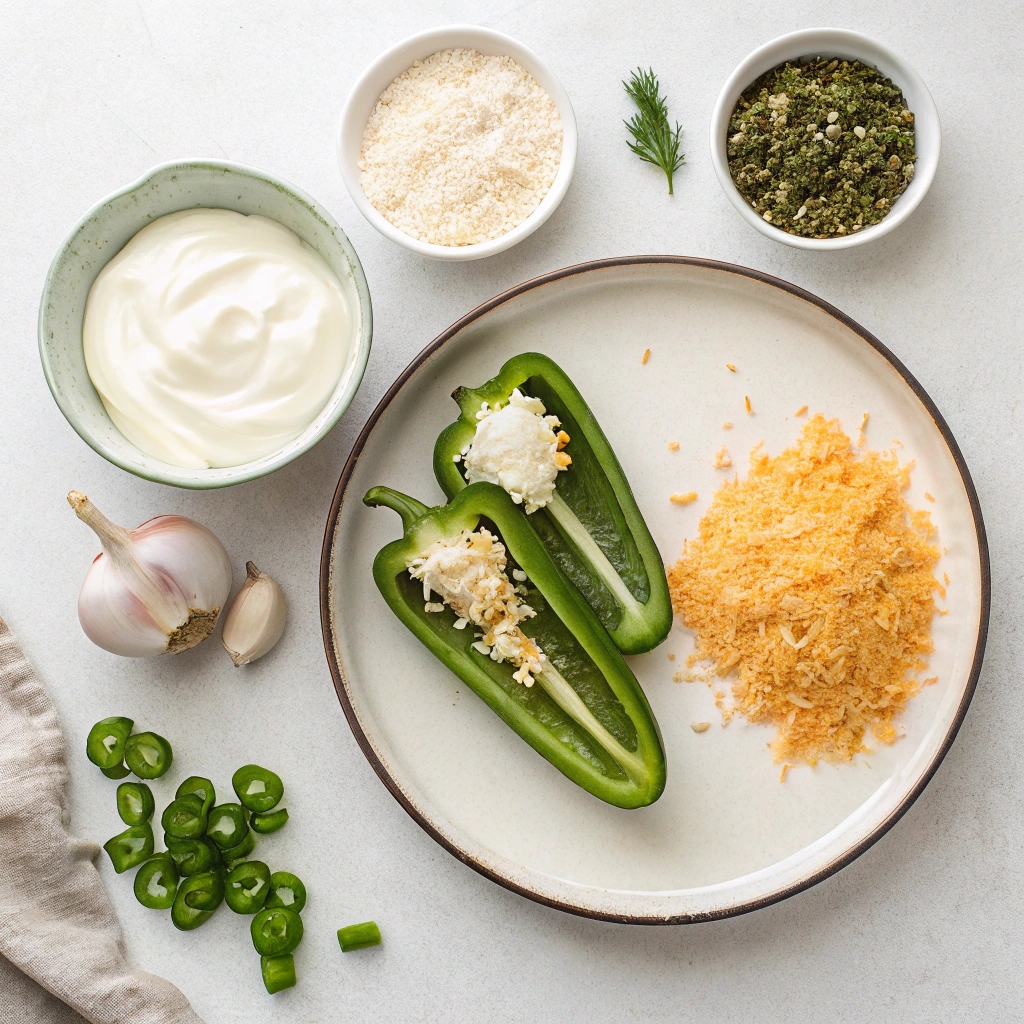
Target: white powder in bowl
{"type": "Point", "coordinates": [460, 148]}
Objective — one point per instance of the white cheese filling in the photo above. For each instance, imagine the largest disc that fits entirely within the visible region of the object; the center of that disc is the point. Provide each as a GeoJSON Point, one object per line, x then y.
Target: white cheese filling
{"type": "Point", "coordinates": [468, 574]}
{"type": "Point", "coordinates": [516, 446]}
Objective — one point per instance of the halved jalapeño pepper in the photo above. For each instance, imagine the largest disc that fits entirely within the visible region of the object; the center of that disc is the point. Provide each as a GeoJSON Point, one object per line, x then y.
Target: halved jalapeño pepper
{"type": "Point", "coordinates": [592, 525]}
{"type": "Point", "coordinates": [585, 711]}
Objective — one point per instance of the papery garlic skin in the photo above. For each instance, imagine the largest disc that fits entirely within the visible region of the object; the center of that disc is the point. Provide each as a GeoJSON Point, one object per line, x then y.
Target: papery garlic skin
{"type": "Point", "coordinates": [256, 619]}
{"type": "Point", "coordinates": [157, 589]}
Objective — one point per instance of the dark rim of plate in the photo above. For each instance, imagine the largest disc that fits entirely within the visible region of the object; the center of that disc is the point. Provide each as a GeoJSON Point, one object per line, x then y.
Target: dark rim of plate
{"type": "Point", "coordinates": [339, 678]}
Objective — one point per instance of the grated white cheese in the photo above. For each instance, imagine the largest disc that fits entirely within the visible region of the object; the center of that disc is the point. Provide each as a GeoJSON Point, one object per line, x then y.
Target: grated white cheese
{"type": "Point", "coordinates": [468, 573]}
{"type": "Point", "coordinates": [460, 148]}
{"type": "Point", "coordinates": [516, 446]}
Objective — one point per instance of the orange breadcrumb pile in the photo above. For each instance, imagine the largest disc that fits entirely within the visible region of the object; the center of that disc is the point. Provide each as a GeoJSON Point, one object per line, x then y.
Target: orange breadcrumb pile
{"type": "Point", "coordinates": [812, 582]}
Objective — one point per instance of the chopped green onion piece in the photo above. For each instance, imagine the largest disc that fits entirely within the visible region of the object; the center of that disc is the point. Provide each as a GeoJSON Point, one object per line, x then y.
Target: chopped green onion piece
{"type": "Point", "coordinates": [275, 931]}
{"type": "Point", "coordinates": [202, 788]}
{"type": "Point", "coordinates": [184, 817]}
{"type": "Point", "coordinates": [106, 742]}
{"type": "Point", "coordinates": [197, 898]}
{"type": "Point", "coordinates": [286, 890]}
{"type": "Point", "coordinates": [246, 887]}
{"type": "Point", "coordinates": [192, 856]}
{"type": "Point", "coordinates": [358, 936]}
{"type": "Point", "coordinates": [148, 755]}
{"type": "Point", "coordinates": [156, 882]}
{"type": "Point", "coordinates": [237, 854]}
{"type": "Point", "coordinates": [131, 847]}
{"type": "Point", "coordinates": [269, 821]}
{"type": "Point", "coordinates": [278, 972]}
{"type": "Point", "coordinates": [257, 788]}
{"type": "Point", "coordinates": [135, 802]}
{"type": "Point", "coordinates": [120, 772]}
{"type": "Point", "coordinates": [227, 826]}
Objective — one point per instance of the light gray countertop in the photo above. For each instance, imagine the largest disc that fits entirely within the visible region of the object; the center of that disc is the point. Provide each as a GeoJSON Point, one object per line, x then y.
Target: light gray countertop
{"type": "Point", "coordinates": [923, 927]}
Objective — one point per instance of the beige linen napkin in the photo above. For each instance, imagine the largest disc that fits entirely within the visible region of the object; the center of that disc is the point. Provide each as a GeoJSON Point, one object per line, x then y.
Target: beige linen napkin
{"type": "Point", "coordinates": [57, 925]}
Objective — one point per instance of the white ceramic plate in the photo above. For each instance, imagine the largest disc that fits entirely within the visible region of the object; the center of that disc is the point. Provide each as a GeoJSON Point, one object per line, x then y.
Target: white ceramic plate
{"type": "Point", "coordinates": [726, 836]}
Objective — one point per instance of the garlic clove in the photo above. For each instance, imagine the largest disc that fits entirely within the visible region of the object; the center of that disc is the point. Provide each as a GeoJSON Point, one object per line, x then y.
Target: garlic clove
{"type": "Point", "coordinates": [157, 589]}
{"type": "Point", "coordinates": [256, 618]}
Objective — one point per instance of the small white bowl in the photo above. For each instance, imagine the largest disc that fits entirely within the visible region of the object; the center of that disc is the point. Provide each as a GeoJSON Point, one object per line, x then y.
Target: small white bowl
{"type": "Point", "coordinates": [386, 68]}
{"type": "Point", "coordinates": [831, 42]}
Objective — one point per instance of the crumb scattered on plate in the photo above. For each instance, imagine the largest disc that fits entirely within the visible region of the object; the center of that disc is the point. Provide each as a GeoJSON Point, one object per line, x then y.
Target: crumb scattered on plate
{"type": "Point", "coordinates": [673, 446]}
{"type": "Point", "coordinates": [646, 356]}
{"type": "Point", "coordinates": [723, 460]}
{"type": "Point", "coordinates": [746, 402]}
{"type": "Point", "coordinates": [802, 411]}
{"type": "Point", "coordinates": [683, 499]}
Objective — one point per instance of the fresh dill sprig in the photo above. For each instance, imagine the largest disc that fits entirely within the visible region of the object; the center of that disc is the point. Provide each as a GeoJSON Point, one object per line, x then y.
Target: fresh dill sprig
{"type": "Point", "coordinates": [654, 139]}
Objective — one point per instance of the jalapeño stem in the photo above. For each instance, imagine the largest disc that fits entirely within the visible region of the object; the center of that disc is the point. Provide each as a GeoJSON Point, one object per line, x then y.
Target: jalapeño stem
{"type": "Point", "coordinates": [588, 547]}
{"type": "Point", "coordinates": [408, 508]}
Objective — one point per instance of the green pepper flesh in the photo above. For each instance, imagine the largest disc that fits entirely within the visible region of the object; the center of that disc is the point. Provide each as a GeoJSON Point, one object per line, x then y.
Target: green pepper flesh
{"type": "Point", "coordinates": [135, 802]}
{"type": "Point", "coordinates": [148, 755]}
{"type": "Point", "coordinates": [588, 716]}
{"type": "Point", "coordinates": [358, 936]}
{"type": "Point", "coordinates": [184, 817]}
{"type": "Point", "coordinates": [131, 847]}
{"type": "Point", "coordinates": [247, 886]}
{"type": "Point", "coordinates": [227, 825]}
{"type": "Point", "coordinates": [258, 789]}
{"type": "Point", "coordinates": [268, 822]}
{"type": "Point", "coordinates": [278, 972]}
{"type": "Point", "coordinates": [286, 890]}
{"type": "Point", "coordinates": [106, 742]}
{"type": "Point", "coordinates": [192, 856]}
{"type": "Point", "coordinates": [156, 882]}
{"type": "Point", "coordinates": [593, 526]}
{"type": "Point", "coordinates": [197, 898]}
{"type": "Point", "coordinates": [198, 786]}
{"type": "Point", "coordinates": [276, 931]}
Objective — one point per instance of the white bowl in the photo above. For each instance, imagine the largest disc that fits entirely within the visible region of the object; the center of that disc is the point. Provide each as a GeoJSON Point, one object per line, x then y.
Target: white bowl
{"type": "Point", "coordinates": [386, 68]}
{"type": "Point", "coordinates": [831, 42]}
{"type": "Point", "coordinates": [103, 232]}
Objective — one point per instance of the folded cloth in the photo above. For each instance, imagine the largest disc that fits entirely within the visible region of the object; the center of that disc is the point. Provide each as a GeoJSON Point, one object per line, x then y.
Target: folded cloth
{"type": "Point", "coordinates": [57, 925]}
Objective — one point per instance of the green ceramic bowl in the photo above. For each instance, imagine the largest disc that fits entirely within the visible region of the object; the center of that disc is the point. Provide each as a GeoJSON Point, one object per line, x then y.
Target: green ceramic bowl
{"type": "Point", "coordinates": [102, 233]}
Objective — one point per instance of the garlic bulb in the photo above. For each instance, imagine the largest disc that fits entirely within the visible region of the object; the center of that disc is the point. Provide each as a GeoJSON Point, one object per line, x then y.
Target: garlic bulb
{"type": "Point", "coordinates": [256, 618]}
{"type": "Point", "coordinates": [157, 589]}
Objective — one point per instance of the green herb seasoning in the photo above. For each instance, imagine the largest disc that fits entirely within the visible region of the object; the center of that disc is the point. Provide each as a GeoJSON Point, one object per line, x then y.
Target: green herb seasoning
{"type": "Point", "coordinates": [822, 148]}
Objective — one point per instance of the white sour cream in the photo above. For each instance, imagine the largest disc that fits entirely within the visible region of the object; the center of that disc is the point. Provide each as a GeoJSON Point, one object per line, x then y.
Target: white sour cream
{"type": "Point", "coordinates": [214, 338]}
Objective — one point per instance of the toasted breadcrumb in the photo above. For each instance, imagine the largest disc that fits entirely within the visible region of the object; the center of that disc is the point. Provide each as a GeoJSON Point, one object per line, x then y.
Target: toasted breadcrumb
{"type": "Point", "coordinates": [683, 499]}
{"type": "Point", "coordinates": [862, 438]}
{"type": "Point", "coordinates": [727, 425]}
{"type": "Point", "coordinates": [820, 545]}
{"type": "Point", "coordinates": [802, 411]}
{"type": "Point", "coordinates": [746, 402]}
{"type": "Point", "coordinates": [673, 446]}
{"type": "Point", "coordinates": [782, 774]}
{"type": "Point", "coordinates": [928, 497]}
{"type": "Point", "coordinates": [730, 367]}
{"type": "Point", "coordinates": [671, 657]}
{"type": "Point", "coordinates": [723, 460]}
{"type": "Point", "coordinates": [646, 356]}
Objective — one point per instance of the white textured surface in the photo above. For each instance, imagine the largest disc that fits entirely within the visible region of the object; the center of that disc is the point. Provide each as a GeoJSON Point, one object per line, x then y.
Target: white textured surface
{"type": "Point", "coordinates": [925, 926]}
